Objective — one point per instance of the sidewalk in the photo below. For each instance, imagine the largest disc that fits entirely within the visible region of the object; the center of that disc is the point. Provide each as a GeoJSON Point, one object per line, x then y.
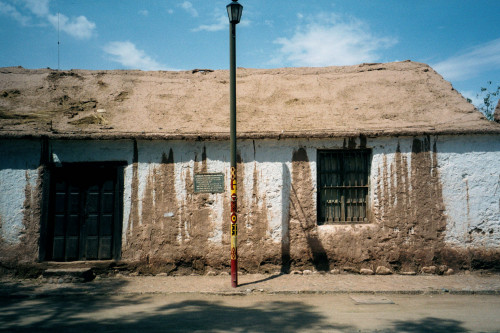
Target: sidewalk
{"type": "Point", "coordinates": [258, 283]}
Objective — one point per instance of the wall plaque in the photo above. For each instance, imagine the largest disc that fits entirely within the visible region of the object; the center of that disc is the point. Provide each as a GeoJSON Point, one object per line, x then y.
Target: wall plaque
{"type": "Point", "coordinates": [209, 183]}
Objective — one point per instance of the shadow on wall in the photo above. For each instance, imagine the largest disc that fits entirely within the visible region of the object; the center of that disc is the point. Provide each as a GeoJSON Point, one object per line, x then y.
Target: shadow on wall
{"type": "Point", "coordinates": [302, 243]}
{"type": "Point", "coordinates": [285, 221]}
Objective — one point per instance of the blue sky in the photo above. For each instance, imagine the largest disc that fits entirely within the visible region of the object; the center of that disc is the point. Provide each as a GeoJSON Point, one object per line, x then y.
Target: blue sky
{"type": "Point", "coordinates": [460, 39]}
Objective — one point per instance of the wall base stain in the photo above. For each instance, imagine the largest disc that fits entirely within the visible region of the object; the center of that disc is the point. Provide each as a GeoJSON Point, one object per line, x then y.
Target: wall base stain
{"type": "Point", "coordinates": [406, 231]}
{"type": "Point", "coordinates": [408, 221]}
{"type": "Point", "coordinates": [171, 235]}
{"type": "Point", "coordinates": [306, 246]}
{"type": "Point", "coordinates": [256, 251]}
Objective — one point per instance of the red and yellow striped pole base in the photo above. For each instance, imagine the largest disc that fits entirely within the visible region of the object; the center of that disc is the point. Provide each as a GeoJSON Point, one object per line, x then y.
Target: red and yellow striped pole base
{"type": "Point", "coordinates": [234, 230]}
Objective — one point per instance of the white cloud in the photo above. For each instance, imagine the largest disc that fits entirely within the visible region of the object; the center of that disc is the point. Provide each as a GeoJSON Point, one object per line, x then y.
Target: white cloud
{"type": "Point", "coordinates": [482, 58]}
{"type": "Point", "coordinates": [38, 7]}
{"type": "Point", "coordinates": [170, 11]}
{"type": "Point", "coordinates": [8, 10]}
{"type": "Point", "coordinates": [78, 27]}
{"type": "Point", "coordinates": [188, 7]}
{"type": "Point", "coordinates": [129, 56]}
{"type": "Point", "coordinates": [144, 12]}
{"type": "Point", "coordinates": [221, 23]}
{"type": "Point", "coordinates": [330, 40]}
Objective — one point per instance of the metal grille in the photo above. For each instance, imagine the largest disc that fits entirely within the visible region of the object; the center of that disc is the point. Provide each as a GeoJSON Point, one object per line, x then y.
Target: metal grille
{"type": "Point", "coordinates": [343, 186]}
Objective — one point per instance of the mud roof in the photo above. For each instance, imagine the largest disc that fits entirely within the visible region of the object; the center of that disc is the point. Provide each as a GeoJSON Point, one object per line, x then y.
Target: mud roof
{"type": "Point", "coordinates": [496, 114]}
{"type": "Point", "coordinates": [401, 98]}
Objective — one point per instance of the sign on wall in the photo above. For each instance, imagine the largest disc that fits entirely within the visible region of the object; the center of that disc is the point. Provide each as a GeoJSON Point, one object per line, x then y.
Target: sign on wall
{"type": "Point", "coordinates": [209, 183]}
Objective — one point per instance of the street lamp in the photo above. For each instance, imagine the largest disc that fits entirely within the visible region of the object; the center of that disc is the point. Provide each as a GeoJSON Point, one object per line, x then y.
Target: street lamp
{"type": "Point", "coordinates": [234, 10]}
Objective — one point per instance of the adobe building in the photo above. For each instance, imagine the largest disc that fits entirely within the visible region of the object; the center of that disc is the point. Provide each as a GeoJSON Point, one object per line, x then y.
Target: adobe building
{"type": "Point", "coordinates": [338, 167]}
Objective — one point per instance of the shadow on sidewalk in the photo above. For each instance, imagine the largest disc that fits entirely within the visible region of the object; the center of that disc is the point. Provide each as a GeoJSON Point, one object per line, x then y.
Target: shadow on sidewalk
{"type": "Point", "coordinates": [429, 324]}
{"type": "Point", "coordinates": [272, 277]}
{"type": "Point", "coordinates": [139, 313]}
{"type": "Point", "coordinates": [61, 311]}
{"type": "Point", "coordinates": [168, 313]}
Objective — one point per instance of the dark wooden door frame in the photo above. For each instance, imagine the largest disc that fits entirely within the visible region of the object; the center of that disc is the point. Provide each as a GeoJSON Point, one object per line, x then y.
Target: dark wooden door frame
{"type": "Point", "coordinates": [50, 170]}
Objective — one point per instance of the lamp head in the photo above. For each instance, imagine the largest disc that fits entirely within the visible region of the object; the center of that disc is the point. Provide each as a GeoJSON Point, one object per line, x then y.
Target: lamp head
{"type": "Point", "coordinates": [234, 11]}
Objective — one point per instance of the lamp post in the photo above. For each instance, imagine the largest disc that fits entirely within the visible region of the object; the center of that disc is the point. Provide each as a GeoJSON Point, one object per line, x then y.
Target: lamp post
{"type": "Point", "coordinates": [234, 10]}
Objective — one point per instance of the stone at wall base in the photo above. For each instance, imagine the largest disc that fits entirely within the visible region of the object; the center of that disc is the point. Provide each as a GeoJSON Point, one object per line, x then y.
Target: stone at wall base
{"type": "Point", "coordinates": [366, 271]}
{"type": "Point", "coordinates": [443, 269]}
{"type": "Point", "coordinates": [429, 270]}
{"type": "Point", "coordinates": [382, 270]}
{"type": "Point", "coordinates": [349, 269]}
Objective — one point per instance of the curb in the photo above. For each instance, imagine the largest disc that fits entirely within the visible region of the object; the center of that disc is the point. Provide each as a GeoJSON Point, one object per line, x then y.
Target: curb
{"type": "Point", "coordinates": [67, 293]}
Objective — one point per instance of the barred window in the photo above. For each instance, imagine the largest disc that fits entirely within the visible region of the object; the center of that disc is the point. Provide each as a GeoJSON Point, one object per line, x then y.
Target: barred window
{"type": "Point", "coordinates": [343, 185]}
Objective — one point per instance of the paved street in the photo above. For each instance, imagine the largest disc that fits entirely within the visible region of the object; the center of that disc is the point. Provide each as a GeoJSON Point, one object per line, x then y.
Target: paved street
{"type": "Point", "coordinates": [262, 303]}
{"type": "Point", "coordinates": [252, 313]}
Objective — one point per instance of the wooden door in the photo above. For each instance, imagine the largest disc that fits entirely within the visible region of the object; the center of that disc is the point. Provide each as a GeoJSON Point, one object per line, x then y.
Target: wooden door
{"type": "Point", "coordinates": [85, 213]}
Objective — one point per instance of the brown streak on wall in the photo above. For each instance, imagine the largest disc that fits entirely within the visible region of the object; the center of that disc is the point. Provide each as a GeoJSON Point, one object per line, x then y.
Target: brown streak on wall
{"type": "Point", "coordinates": [256, 248]}
{"type": "Point", "coordinates": [196, 209]}
{"type": "Point", "coordinates": [134, 199]}
{"type": "Point", "coordinates": [155, 238]}
{"type": "Point", "coordinates": [306, 248]}
{"type": "Point", "coordinates": [256, 252]}
{"type": "Point", "coordinates": [408, 221]}
{"type": "Point", "coordinates": [406, 231]}
{"type": "Point", "coordinates": [415, 209]}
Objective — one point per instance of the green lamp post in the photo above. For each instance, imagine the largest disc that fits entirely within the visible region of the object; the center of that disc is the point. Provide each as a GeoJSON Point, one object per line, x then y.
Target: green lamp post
{"type": "Point", "coordinates": [234, 11]}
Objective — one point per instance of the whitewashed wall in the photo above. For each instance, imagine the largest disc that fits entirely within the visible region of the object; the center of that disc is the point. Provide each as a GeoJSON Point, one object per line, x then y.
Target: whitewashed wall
{"type": "Point", "coordinates": [469, 169]}
{"type": "Point", "coordinates": [470, 173]}
{"type": "Point", "coordinates": [19, 160]}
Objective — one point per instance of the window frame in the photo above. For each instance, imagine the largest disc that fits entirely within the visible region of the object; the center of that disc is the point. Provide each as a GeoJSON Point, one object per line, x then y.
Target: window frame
{"type": "Point", "coordinates": [342, 200]}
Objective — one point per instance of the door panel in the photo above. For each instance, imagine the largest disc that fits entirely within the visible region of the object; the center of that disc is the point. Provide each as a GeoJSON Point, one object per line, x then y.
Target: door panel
{"type": "Point", "coordinates": [85, 216]}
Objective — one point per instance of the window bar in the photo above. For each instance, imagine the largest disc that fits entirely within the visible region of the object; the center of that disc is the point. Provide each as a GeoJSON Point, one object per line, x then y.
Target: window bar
{"type": "Point", "coordinates": [358, 183]}
{"type": "Point", "coordinates": [355, 183]}
{"type": "Point", "coordinates": [322, 190]}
